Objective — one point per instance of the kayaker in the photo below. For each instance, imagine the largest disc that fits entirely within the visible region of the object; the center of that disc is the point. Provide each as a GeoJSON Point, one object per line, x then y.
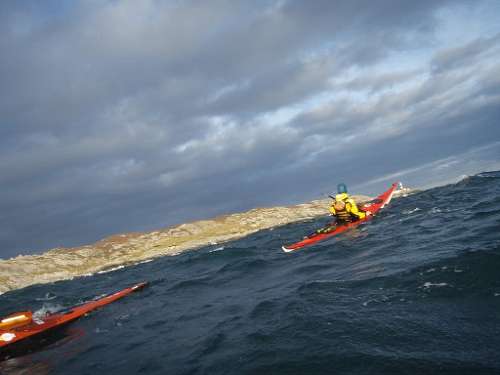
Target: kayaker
{"type": "Point", "coordinates": [345, 210]}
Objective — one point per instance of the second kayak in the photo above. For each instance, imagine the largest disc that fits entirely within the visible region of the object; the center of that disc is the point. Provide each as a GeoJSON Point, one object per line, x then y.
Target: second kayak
{"type": "Point", "coordinates": [20, 326]}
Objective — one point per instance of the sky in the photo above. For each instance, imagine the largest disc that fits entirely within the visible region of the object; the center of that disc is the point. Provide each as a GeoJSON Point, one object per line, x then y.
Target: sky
{"type": "Point", "coordinates": [121, 116]}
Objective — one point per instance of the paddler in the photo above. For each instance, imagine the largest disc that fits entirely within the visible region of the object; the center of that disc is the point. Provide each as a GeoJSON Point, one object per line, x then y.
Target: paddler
{"type": "Point", "coordinates": [345, 210]}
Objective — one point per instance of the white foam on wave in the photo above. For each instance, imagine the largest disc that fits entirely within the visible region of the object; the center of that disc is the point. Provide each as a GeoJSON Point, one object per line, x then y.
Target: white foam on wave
{"type": "Point", "coordinates": [47, 308]}
{"type": "Point", "coordinates": [111, 269]}
{"type": "Point", "coordinates": [217, 249]}
{"type": "Point", "coordinates": [428, 284]}
{"type": "Point", "coordinates": [409, 212]}
{"type": "Point", "coordinates": [48, 297]}
{"type": "Point", "coordinates": [489, 174]}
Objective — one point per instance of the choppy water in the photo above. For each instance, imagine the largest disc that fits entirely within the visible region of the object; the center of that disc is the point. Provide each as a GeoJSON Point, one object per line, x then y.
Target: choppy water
{"type": "Point", "coordinates": [415, 291]}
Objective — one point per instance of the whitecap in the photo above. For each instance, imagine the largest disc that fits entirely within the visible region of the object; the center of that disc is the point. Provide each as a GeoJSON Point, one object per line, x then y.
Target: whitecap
{"type": "Point", "coordinates": [111, 269]}
{"type": "Point", "coordinates": [45, 310]}
{"type": "Point", "coordinates": [409, 212]}
{"type": "Point", "coordinates": [216, 249]}
{"type": "Point", "coordinates": [428, 284]}
{"type": "Point", "coordinates": [48, 297]}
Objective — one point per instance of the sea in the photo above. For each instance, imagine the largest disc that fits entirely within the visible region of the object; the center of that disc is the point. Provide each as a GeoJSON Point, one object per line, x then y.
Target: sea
{"type": "Point", "coordinates": [416, 290]}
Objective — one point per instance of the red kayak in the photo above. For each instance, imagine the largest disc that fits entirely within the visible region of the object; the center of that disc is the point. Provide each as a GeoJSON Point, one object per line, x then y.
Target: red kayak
{"type": "Point", "coordinates": [22, 325]}
{"type": "Point", "coordinates": [373, 206]}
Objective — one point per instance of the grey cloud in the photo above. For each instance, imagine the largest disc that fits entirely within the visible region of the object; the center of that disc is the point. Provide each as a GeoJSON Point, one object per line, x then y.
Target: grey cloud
{"type": "Point", "coordinates": [378, 83]}
{"type": "Point", "coordinates": [462, 56]}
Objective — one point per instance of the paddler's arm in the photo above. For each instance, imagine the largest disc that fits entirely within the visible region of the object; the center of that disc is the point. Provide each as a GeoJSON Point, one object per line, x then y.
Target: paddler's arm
{"type": "Point", "coordinates": [354, 210]}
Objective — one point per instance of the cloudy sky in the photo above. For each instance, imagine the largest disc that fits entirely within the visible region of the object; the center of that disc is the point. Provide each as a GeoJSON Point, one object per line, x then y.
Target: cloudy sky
{"type": "Point", "coordinates": [119, 116]}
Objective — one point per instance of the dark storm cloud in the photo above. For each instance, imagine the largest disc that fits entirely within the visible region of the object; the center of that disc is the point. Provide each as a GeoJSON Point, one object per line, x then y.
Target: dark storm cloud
{"type": "Point", "coordinates": [119, 116]}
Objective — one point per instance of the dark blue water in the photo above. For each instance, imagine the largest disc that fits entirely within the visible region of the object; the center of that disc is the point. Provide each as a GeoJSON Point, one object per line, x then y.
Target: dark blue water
{"type": "Point", "coordinates": [415, 291]}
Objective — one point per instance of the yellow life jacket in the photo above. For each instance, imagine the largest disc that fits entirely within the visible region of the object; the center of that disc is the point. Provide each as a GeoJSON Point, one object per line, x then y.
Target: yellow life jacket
{"type": "Point", "coordinates": [349, 210]}
{"type": "Point", "coordinates": [342, 211]}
